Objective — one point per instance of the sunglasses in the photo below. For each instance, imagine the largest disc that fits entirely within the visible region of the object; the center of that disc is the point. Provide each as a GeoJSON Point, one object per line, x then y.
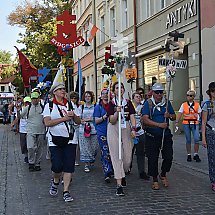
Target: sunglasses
{"type": "Point", "coordinates": [190, 95]}
{"type": "Point", "coordinates": [158, 92]}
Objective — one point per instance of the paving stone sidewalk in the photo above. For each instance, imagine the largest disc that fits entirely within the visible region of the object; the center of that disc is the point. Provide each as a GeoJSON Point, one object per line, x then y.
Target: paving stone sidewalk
{"type": "Point", "coordinates": [24, 192]}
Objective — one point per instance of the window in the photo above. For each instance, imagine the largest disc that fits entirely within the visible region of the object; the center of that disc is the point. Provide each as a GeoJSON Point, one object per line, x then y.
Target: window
{"type": "Point", "coordinates": [162, 4]}
{"type": "Point", "coordinates": [2, 88]}
{"type": "Point", "coordinates": [144, 10]}
{"type": "Point", "coordinates": [102, 27]}
{"type": "Point", "coordinates": [112, 22]}
{"type": "Point", "coordinates": [124, 14]}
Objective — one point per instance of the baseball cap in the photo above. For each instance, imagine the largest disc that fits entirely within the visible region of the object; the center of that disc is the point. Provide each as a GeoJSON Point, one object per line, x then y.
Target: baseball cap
{"type": "Point", "coordinates": [35, 95]}
{"type": "Point", "coordinates": [27, 99]}
{"type": "Point", "coordinates": [87, 130]}
{"type": "Point", "coordinates": [157, 86]}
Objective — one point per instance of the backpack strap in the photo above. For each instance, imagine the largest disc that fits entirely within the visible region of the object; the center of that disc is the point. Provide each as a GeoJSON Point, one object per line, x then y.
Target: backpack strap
{"type": "Point", "coordinates": [29, 107]}
{"type": "Point", "coordinates": [150, 108]}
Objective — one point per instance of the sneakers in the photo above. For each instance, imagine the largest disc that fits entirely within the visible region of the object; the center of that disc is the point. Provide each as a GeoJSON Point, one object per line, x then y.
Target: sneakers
{"type": "Point", "coordinates": [37, 168]}
{"type": "Point", "coordinates": [26, 160]}
{"type": "Point", "coordinates": [196, 158]}
{"type": "Point", "coordinates": [107, 180]}
{"type": "Point", "coordinates": [189, 158]}
{"type": "Point", "coordinates": [77, 164]}
{"type": "Point", "coordinates": [124, 184]}
{"type": "Point", "coordinates": [119, 191]}
{"type": "Point", "coordinates": [54, 189]}
{"type": "Point", "coordinates": [31, 167]}
{"type": "Point", "coordinates": [144, 176]}
{"type": "Point", "coordinates": [164, 181]}
{"type": "Point", "coordinates": [67, 197]}
{"type": "Point", "coordinates": [86, 168]}
{"type": "Point", "coordinates": [213, 186]}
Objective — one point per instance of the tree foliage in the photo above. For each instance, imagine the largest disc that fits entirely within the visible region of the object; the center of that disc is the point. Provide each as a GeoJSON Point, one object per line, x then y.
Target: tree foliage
{"type": "Point", "coordinates": [38, 20]}
{"type": "Point", "coordinates": [5, 57]}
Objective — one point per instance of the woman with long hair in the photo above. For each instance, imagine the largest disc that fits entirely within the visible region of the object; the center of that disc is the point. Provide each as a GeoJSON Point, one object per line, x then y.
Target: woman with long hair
{"type": "Point", "coordinates": [127, 112]}
{"type": "Point", "coordinates": [208, 131]}
{"type": "Point", "coordinates": [87, 133]}
{"type": "Point", "coordinates": [101, 120]}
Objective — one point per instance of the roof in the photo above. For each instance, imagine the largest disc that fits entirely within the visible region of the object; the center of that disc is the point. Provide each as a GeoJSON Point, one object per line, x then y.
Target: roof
{"type": "Point", "coordinates": [8, 80]}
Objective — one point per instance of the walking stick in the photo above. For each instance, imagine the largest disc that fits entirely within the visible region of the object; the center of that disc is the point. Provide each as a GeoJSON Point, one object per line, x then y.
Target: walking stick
{"type": "Point", "coordinates": [170, 73]}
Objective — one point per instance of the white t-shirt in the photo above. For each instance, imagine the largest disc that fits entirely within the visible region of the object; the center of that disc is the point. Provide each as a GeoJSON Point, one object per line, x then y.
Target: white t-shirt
{"type": "Point", "coordinates": [60, 129]}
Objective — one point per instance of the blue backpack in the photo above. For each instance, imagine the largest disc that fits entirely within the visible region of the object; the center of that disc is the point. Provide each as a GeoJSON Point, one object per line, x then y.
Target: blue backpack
{"type": "Point", "coordinates": [207, 102]}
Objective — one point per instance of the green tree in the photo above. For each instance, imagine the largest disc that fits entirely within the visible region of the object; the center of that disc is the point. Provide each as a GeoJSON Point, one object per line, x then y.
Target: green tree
{"type": "Point", "coordinates": [38, 20]}
{"type": "Point", "coordinates": [5, 57]}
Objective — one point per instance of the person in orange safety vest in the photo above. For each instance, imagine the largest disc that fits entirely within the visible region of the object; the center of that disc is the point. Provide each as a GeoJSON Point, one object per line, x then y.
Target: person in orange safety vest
{"type": "Point", "coordinates": [191, 111]}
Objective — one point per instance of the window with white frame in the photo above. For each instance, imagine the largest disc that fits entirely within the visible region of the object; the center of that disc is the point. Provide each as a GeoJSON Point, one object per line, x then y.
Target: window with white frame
{"type": "Point", "coordinates": [102, 27]}
{"type": "Point", "coordinates": [143, 10]}
{"type": "Point", "coordinates": [124, 14]}
{"type": "Point", "coordinates": [112, 22]}
{"type": "Point", "coordinates": [162, 4]}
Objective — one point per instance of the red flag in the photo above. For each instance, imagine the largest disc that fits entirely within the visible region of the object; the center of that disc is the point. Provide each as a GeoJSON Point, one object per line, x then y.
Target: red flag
{"type": "Point", "coordinates": [27, 68]}
{"type": "Point", "coordinates": [93, 31]}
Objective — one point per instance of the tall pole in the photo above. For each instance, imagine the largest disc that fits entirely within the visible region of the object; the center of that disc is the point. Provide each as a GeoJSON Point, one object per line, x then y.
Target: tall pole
{"type": "Point", "coordinates": [94, 49]}
{"type": "Point", "coordinates": [200, 51]}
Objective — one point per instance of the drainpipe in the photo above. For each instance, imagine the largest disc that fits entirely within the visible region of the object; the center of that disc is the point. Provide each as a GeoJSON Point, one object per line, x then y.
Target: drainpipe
{"type": "Point", "coordinates": [94, 49]}
{"type": "Point", "coordinates": [135, 39]}
{"type": "Point", "coordinates": [200, 51]}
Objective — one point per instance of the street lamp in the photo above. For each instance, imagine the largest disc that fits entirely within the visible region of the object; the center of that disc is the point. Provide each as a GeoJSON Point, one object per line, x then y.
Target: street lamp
{"type": "Point", "coordinates": [86, 43]}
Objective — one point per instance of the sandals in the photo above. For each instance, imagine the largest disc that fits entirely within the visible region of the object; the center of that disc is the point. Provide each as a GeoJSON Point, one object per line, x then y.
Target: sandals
{"type": "Point", "coordinates": [164, 181]}
{"type": "Point", "coordinates": [155, 186]}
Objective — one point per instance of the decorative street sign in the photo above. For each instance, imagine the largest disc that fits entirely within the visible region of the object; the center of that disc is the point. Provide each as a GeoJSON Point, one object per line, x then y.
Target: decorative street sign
{"type": "Point", "coordinates": [179, 64]}
{"type": "Point", "coordinates": [66, 33]}
{"type": "Point", "coordinates": [131, 73]}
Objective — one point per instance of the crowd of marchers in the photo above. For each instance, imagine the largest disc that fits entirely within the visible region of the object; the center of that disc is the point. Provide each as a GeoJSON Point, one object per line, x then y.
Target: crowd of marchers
{"type": "Point", "coordinates": [75, 131]}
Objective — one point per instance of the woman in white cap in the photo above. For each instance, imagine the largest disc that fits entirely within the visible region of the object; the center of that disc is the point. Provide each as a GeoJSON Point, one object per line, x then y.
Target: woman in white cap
{"type": "Point", "coordinates": [57, 115]}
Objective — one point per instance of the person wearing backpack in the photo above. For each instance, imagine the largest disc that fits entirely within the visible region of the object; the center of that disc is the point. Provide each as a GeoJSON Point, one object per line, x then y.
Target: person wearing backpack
{"type": "Point", "coordinates": [156, 115]}
{"type": "Point", "coordinates": [208, 131]}
{"type": "Point", "coordinates": [190, 110]}
{"type": "Point", "coordinates": [35, 130]}
{"type": "Point", "coordinates": [87, 133]}
{"type": "Point", "coordinates": [101, 121]}
{"type": "Point", "coordinates": [59, 116]}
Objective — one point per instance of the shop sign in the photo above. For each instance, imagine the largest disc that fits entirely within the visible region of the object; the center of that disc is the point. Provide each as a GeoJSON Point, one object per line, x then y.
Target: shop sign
{"type": "Point", "coordinates": [184, 12]}
{"type": "Point", "coordinates": [179, 64]}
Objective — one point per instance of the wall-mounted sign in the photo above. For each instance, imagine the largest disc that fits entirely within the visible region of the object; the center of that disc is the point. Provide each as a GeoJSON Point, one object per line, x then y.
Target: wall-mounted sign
{"type": "Point", "coordinates": [66, 32]}
{"type": "Point", "coordinates": [179, 64]}
{"type": "Point", "coordinates": [184, 12]}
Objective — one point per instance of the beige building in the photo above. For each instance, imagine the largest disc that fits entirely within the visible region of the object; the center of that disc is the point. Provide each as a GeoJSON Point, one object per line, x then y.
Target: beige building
{"type": "Point", "coordinates": [114, 18]}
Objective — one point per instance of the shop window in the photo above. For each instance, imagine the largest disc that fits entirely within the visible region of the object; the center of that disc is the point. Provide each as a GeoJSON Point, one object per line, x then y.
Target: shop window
{"type": "Point", "coordinates": [152, 72]}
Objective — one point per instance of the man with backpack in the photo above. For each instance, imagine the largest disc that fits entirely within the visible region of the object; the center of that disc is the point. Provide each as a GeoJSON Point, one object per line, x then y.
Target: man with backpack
{"type": "Point", "coordinates": [190, 111]}
{"type": "Point", "coordinates": [35, 131]}
{"type": "Point", "coordinates": [156, 115]}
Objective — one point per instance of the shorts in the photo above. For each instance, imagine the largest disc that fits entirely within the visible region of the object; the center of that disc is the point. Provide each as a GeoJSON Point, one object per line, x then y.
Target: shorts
{"type": "Point", "coordinates": [63, 158]}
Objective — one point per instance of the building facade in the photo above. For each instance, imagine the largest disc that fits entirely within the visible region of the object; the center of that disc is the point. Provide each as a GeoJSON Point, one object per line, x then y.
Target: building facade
{"type": "Point", "coordinates": [153, 27]}
{"type": "Point", "coordinates": [115, 19]}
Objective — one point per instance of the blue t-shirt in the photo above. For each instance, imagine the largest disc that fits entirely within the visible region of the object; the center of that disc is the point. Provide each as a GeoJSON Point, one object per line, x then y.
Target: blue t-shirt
{"type": "Point", "coordinates": [101, 128]}
{"type": "Point", "coordinates": [157, 116]}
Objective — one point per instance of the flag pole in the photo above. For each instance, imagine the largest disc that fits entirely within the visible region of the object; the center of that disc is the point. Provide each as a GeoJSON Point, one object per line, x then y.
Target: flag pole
{"type": "Point", "coordinates": [119, 117]}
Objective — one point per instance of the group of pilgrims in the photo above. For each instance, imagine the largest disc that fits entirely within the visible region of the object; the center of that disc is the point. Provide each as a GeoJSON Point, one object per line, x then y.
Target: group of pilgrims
{"type": "Point", "coordinates": [75, 131]}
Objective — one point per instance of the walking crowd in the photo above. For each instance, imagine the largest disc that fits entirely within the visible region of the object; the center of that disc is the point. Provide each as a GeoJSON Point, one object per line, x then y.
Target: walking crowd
{"type": "Point", "coordinates": [75, 131]}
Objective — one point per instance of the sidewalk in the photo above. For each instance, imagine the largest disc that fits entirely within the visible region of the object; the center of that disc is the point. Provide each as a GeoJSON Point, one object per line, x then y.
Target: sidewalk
{"type": "Point", "coordinates": [24, 192]}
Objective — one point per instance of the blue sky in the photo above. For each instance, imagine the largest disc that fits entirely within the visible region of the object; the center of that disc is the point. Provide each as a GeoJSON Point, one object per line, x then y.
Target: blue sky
{"type": "Point", "coordinates": [8, 34]}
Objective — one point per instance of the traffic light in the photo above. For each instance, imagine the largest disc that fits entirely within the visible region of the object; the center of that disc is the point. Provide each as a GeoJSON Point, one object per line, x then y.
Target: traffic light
{"type": "Point", "coordinates": [175, 45]}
